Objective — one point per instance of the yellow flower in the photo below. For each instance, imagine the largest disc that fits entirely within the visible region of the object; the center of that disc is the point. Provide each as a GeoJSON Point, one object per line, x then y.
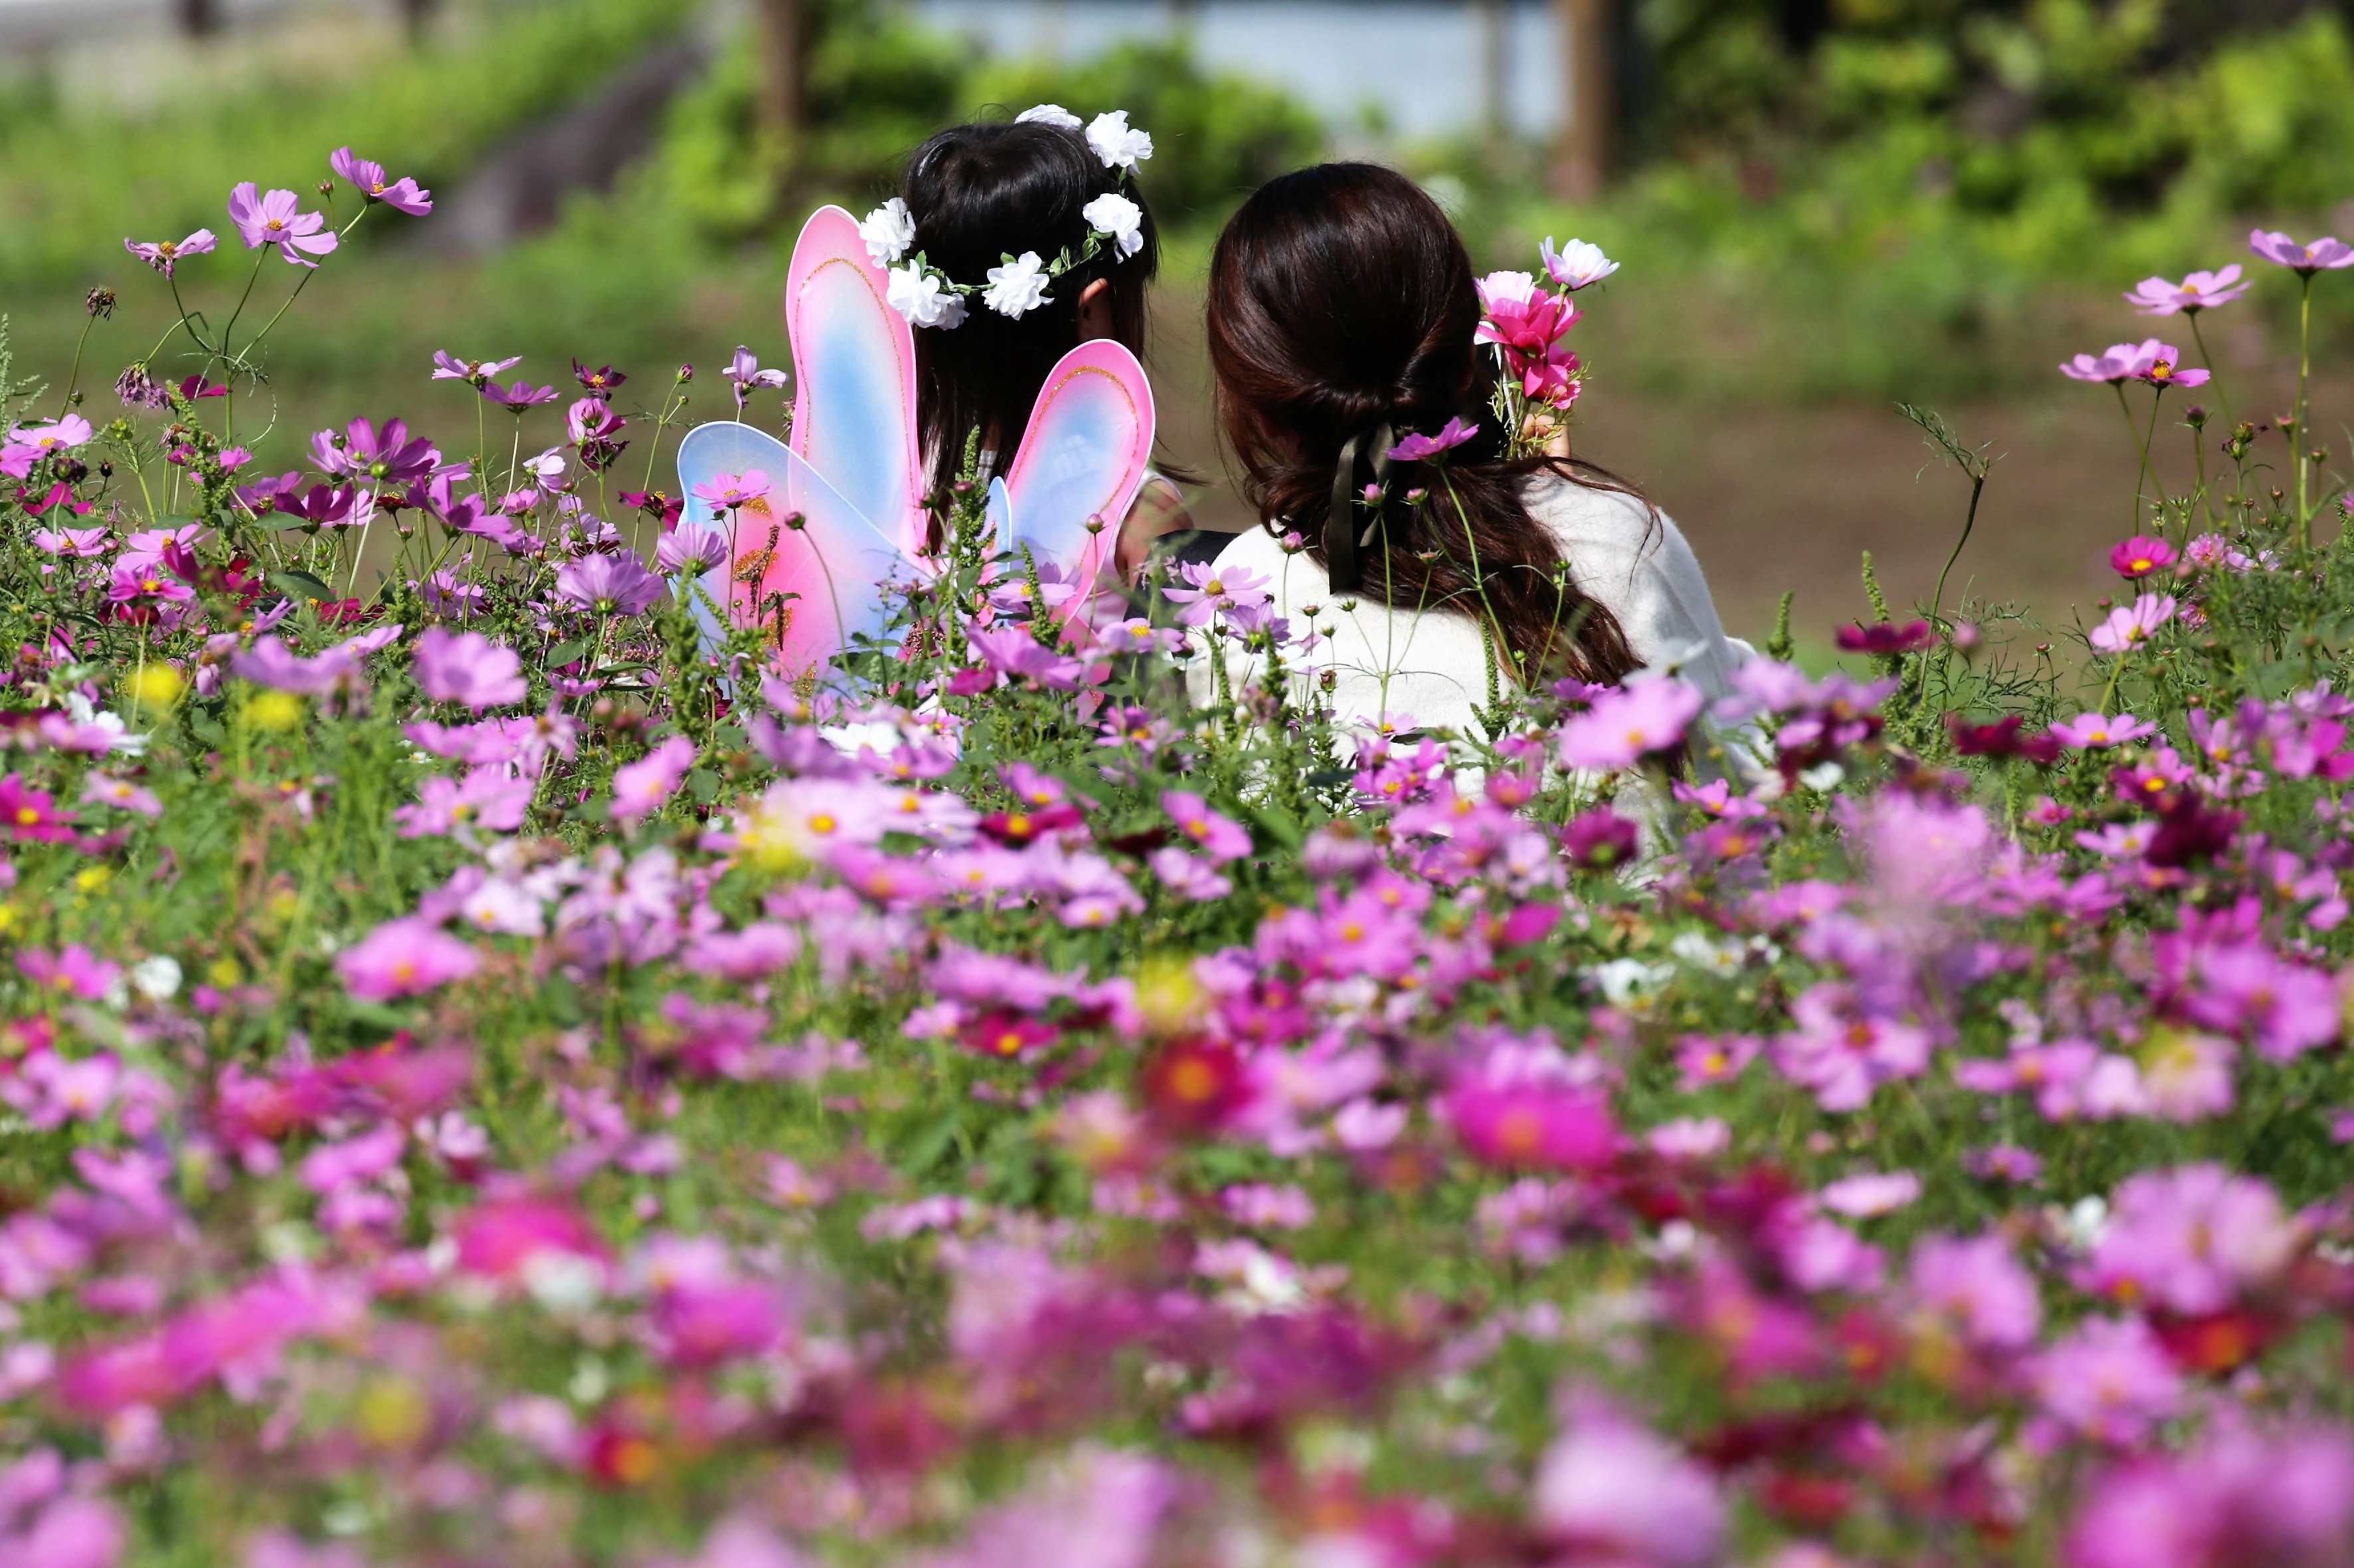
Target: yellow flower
{"type": "Point", "coordinates": [274, 710]}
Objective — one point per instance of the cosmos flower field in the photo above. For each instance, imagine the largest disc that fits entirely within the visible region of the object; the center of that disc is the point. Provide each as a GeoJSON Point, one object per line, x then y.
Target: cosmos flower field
{"type": "Point", "coordinates": [493, 1080]}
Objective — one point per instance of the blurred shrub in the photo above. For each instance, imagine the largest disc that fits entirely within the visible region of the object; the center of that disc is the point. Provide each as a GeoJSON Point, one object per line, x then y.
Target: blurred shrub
{"type": "Point", "coordinates": [880, 84]}
{"type": "Point", "coordinates": [75, 183]}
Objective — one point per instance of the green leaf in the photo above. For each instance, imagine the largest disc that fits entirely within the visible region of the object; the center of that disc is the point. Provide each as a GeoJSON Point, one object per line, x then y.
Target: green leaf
{"type": "Point", "coordinates": [564, 653]}
{"type": "Point", "coordinates": [301, 584]}
{"type": "Point", "coordinates": [703, 785]}
{"type": "Point", "coordinates": [924, 1151]}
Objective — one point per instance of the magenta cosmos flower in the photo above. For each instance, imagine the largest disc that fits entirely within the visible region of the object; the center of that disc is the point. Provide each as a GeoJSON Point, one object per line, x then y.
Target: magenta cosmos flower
{"type": "Point", "coordinates": [2325, 254]}
{"type": "Point", "coordinates": [1417, 447]}
{"type": "Point", "coordinates": [1532, 1126]}
{"type": "Point", "coordinates": [401, 194]}
{"type": "Point", "coordinates": [2140, 556]}
{"type": "Point", "coordinates": [2199, 292]}
{"type": "Point", "coordinates": [276, 219]}
{"type": "Point", "coordinates": [468, 667]}
{"type": "Point", "coordinates": [163, 255]}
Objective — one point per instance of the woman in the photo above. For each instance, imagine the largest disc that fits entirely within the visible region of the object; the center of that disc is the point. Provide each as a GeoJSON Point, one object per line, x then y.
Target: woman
{"type": "Point", "coordinates": [1342, 315]}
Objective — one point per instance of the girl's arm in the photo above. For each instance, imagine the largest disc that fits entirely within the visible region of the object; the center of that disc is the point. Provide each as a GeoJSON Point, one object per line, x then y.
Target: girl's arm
{"type": "Point", "coordinates": [1158, 510]}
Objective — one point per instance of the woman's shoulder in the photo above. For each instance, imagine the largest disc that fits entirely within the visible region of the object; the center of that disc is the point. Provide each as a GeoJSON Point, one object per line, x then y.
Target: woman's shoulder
{"type": "Point", "coordinates": [1579, 513]}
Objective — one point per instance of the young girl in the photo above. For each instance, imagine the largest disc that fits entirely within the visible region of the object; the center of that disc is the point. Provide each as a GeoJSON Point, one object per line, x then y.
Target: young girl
{"type": "Point", "coordinates": [1341, 305]}
{"type": "Point", "coordinates": [1040, 186]}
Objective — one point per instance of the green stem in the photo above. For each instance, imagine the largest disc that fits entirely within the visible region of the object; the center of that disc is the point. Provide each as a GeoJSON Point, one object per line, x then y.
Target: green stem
{"type": "Point", "coordinates": [2141, 478]}
{"type": "Point", "coordinates": [1977, 488]}
{"type": "Point", "coordinates": [2304, 373]}
{"type": "Point", "coordinates": [65, 407]}
{"type": "Point", "coordinates": [2209, 361]}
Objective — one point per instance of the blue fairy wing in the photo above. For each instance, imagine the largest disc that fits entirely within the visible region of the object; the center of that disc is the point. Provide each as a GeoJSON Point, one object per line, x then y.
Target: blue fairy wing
{"type": "Point", "coordinates": [1082, 459]}
{"type": "Point", "coordinates": [854, 377]}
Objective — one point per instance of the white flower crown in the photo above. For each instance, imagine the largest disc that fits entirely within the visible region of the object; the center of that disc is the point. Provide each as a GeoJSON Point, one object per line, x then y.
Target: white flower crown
{"type": "Point", "coordinates": [928, 297]}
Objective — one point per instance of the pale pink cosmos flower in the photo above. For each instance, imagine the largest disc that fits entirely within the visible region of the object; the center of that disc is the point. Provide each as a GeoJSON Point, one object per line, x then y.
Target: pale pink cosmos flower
{"type": "Point", "coordinates": [1205, 590]}
{"type": "Point", "coordinates": [276, 219]}
{"type": "Point", "coordinates": [105, 790]}
{"type": "Point", "coordinates": [2193, 1239]}
{"type": "Point", "coordinates": [2114, 364]}
{"type": "Point", "coordinates": [2109, 1380]}
{"type": "Point", "coordinates": [2199, 292]}
{"type": "Point", "coordinates": [2325, 254]}
{"type": "Point", "coordinates": [1865, 1196]}
{"type": "Point", "coordinates": [487, 798]}
{"type": "Point", "coordinates": [2093, 731]}
{"type": "Point", "coordinates": [468, 667]}
{"type": "Point", "coordinates": [2129, 625]}
{"type": "Point", "coordinates": [730, 492]}
{"type": "Point", "coordinates": [642, 788]}
{"type": "Point", "coordinates": [1575, 264]}
{"type": "Point", "coordinates": [1977, 1289]}
{"type": "Point", "coordinates": [1613, 1492]}
{"type": "Point", "coordinates": [164, 255]}
{"type": "Point", "coordinates": [1216, 835]}
{"type": "Point", "coordinates": [1189, 877]}
{"type": "Point", "coordinates": [401, 194]}
{"type": "Point", "coordinates": [1630, 723]}
{"type": "Point", "coordinates": [404, 958]}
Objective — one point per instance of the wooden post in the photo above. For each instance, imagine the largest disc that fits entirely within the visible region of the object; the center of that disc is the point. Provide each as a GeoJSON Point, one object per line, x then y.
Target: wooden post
{"type": "Point", "coordinates": [199, 18]}
{"type": "Point", "coordinates": [784, 99]}
{"type": "Point", "coordinates": [1583, 161]}
{"type": "Point", "coordinates": [416, 16]}
{"type": "Point", "coordinates": [1493, 19]}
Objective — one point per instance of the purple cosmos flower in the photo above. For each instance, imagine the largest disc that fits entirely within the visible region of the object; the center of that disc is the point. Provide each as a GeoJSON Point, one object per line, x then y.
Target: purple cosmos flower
{"type": "Point", "coordinates": [163, 255]}
{"type": "Point", "coordinates": [2322, 255]}
{"type": "Point", "coordinates": [609, 584]}
{"type": "Point", "coordinates": [2116, 364]}
{"type": "Point", "coordinates": [2129, 625]}
{"type": "Point", "coordinates": [692, 551]}
{"type": "Point", "coordinates": [401, 194]}
{"type": "Point", "coordinates": [486, 797]}
{"type": "Point", "coordinates": [521, 395]}
{"type": "Point", "coordinates": [600, 381]}
{"type": "Point", "coordinates": [1209, 591]}
{"type": "Point", "coordinates": [744, 373]}
{"type": "Point", "coordinates": [730, 492]}
{"type": "Point", "coordinates": [2139, 556]}
{"type": "Point", "coordinates": [1417, 448]}
{"type": "Point", "coordinates": [468, 667]}
{"type": "Point", "coordinates": [2199, 292]}
{"type": "Point", "coordinates": [385, 456]}
{"type": "Point", "coordinates": [274, 219]}
{"type": "Point", "coordinates": [474, 372]}
{"type": "Point", "coordinates": [2110, 1380]}
{"type": "Point", "coordinates": [2192, 1239]}
{"type": "Point", "coordinates": [2095, 731]}
{"type": "Point", "coordinates": [591, 420]}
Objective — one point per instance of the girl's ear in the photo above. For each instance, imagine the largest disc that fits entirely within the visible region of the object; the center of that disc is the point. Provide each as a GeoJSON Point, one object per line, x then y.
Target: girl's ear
{"type": "Point", "coordinates": [1095, 311]}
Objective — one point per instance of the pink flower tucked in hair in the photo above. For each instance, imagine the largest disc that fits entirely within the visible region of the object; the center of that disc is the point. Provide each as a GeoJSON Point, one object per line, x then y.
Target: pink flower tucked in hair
{"type": "Point", "coordinates": [1420, 448]}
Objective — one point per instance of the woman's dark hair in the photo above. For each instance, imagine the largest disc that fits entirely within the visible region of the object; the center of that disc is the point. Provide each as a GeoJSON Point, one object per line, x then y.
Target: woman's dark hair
{"type": "Point", "coordinates": [980, 192]}
{"type": "Point", "coordinates": [1342, 298]}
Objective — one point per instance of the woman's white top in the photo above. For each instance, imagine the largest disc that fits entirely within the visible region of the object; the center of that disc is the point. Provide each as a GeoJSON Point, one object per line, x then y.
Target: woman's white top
{"type": "Point", "coordinates": [1427, 669]}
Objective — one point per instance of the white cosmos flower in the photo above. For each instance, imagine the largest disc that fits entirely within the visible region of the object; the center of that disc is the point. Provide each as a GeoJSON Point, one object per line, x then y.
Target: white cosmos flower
{"type": "Point", "coordinates": [919, 296]}
{"type": "Point", "coordinates": [1048, 114]}
{"type": "Point", "coordinates": [1115, 215]}
{"type": "Point", "coordinates": [1114, 143]}
{"type": "Point", "coordinates": [1018, 287]}
{"type": "Point", "coordinates": [1576, 264]}
{"type": "Point", "coordinates": [889, 230]}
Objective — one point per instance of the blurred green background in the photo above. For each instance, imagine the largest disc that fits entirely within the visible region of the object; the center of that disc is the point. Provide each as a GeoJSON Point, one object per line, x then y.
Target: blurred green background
{"type": "Point", "coordinates": [1821, 207]}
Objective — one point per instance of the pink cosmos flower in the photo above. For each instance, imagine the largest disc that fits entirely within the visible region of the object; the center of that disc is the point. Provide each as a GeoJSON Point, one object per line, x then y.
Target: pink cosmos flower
{"type": "Point", "coordinates": [1519, 317]}
{"type": "Point", "coordinates": [514, 399]}
{"type": "Point", "coordinates": [275, 219]}
{"type": "Point", "coordinates": [105, 790]}
{"type": "Point", "coordinates": [163, 255]}
{"type": "Point", "coordinates": [501, 1238]}
{"type": "Point", "coordinates": [2095, 731]}
{"type": "Point", "coordinates": [1862, 1197]}
{"type": "Point", "coordinates": [2194, 1240]}
{"type": "Point", "coordinates": [2110, 1380]}
{"type": "Point", "coordinates": [2322, 255]}
{"type": "Point", "coordinates": [744, 375]}
{"type": "Point", "coordinates": [1205, 591]}
{"type": "Point", "coordinates": [46, 440]}
{"type": "Point", "coordinates": [1977, 1289]}
{"type": "Point", "coordinates": [401, 194]}
{"type": "Point", "coordinates": [2199, 292]}
{"type": "Point", "coordinates": [2139, 557]}
{"type": "Point", "coordinates": [1219, 837]}
{"type": "Point", "coordinates": [73, 1531]}
{"type": "Point", "coordinates": [472, 372]}
{"type": "Point", "coordinates": [1189, 877]}
{"type": "Point", "coordinates": [1419, 448]}
{"type": "Point", "coordinates": [72, 543]}
{"type": "Point", "coordinates": [732, 491]}
{"type": "Point", "coordinates": [31, 815]}
{"type": "Point", "coordinates": [404, 958]}
{"type": "Point", "coordinates": [641, 788]}
{"type": "Point", "coordinates": [1610, 1490]}
{"type": "Point", "coordinates": [76, 971]}
{"type": "Point", "coordinates": [2160, 365]}
{"type": "Point", "coordinates": [609, 584]}
{"type": "Point", "coordinates": [486, 797]}
{"type": "Point", "coordinates": [2239, 1497]}
{"type": "Point", "coordinates": [1630, 723]}
{"type": "Point", "coordinates": [2114, 364]}
{"type": "Point", "coordinates": [468, 667]}
{"type": "Point", "coordinates": [2128, 626]}
{"type": "Point", "coordinates": [1532, 1125]}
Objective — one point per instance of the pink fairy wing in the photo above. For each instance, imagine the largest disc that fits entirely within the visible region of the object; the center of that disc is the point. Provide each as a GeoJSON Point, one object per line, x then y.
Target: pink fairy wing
{"type": "Point", "coordinates": [1083, 457]}
{"type": "Point", "coordinates": [812, 587]}
{"type": "Point", "coordinates": [854, 377]}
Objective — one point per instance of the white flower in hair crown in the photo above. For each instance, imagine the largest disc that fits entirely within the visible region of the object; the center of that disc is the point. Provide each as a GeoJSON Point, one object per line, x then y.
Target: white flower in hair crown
{"type": "Point", "coordinates": [928, 297]}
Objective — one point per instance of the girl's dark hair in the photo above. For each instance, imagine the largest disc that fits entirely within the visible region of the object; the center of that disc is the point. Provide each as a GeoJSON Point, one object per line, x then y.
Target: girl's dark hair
{"type": "Point", "coordinates": [1341, 298]}
{"type": "Point", "coordinates": [980, 192]}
